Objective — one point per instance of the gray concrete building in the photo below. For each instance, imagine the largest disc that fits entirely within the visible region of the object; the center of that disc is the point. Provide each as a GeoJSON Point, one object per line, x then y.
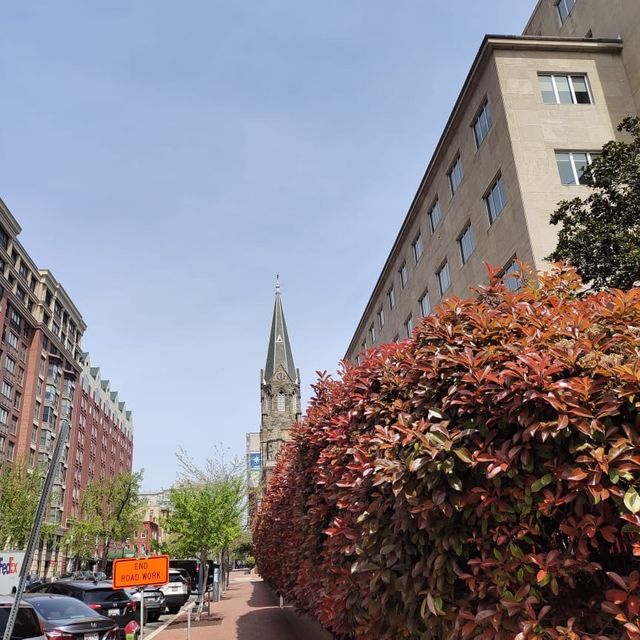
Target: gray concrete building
{"type": "Point", "coordinates": [531, 114]}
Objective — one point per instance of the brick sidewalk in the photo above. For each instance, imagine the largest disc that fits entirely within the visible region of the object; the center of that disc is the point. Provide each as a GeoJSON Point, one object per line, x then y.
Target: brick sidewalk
{"type": "Point", "coordinates": [248, 611]}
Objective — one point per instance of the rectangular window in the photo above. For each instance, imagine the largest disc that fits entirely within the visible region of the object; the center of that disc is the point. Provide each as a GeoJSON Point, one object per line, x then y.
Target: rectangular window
{"type": "Point", "coordinates": [6, 390]}
{"type": "Point", "coordinates": [372, 334]}
{"type": "Point", "coordinates": [444, 280]}
{"type": "Point", "coordinates": [455, 175]}
{"type": "Point", "coordinates": [418, 247]}
{"type": "Point", "coordinates": [482, 124]}
{"type": "Point", "coordinates": [571, 165]}
{"type": "Point", "coordinates": [4, 416]}
{"type": "Point", "coordinates": [564, 89]}
{"type": "Point", "coordinates": [391, 296]}
{"type": "Point", "coordinates": [425, 304]}
{"type": "Point", "coordinates": [10, 451]}
{"type": "Point", "coordinates": [381, 317]}
{"type": "Point", "coordinates": [36, 411]}
{"type": "Point", "coordinates": [496, 199]}
{"type": "Point", "coordinates": [408, 326]}
{"type": "Point", "coordinates": [404, 274]}
{"type": "Point", "coordinates": [510, 280]}
{"type": "Point", "coordinates": [564, 8]}
{"type": "Point", "coordinates": [4, 239]}
{"type": "Point", "coordinates": [466, 243]}
{"type": "Point", "coordinates": [12, 339]}
{"type": "Point", "coordinates": [17, 399]}
{"type": "Point", "coordinates": [435, 215]}
{"type": "Point", "coordinates": [10, 364]}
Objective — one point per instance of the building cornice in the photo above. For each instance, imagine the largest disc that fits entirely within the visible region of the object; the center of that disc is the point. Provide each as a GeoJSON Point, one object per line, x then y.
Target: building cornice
{"type": "Point", "coordinates": [490, 43]}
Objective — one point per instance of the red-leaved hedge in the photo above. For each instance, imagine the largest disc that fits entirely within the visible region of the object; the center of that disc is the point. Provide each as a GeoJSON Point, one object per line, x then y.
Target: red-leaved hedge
{"type": "Point", "coordinates": [477, 481]}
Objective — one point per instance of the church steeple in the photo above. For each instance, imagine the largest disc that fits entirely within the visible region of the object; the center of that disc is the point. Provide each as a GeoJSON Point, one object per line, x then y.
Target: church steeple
{"type": "Point", "coordinates": [279, 392]}
{"type": "Point", "coordinates": [279, 353]}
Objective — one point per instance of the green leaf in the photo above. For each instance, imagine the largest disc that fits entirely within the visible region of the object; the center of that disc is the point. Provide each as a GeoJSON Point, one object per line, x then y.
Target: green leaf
{"type": "Point", "coordinates": [541, 482]}
{"type": "Point", "coordinates": [632, 500]}
{"type": "Point", "coordinates": [464, 455]}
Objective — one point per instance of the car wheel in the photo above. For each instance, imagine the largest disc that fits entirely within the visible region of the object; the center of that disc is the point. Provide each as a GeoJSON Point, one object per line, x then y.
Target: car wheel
{"type": "Point", "coordinates": [174, 609]}
{"type": "Point", "coordinates": [153, 617]}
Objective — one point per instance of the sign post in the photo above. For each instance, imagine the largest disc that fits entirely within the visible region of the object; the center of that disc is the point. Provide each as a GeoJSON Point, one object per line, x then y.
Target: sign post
{"type": "Point", "coordinates": [140, 573]}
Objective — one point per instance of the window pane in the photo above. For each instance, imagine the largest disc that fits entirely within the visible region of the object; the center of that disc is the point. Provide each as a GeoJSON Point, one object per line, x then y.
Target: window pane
{"type": "Point", "coordinates": [502, 193]}
{"type": "Point", "coordinates": [564, 92]}
{"type": "Point", "coordinates": [580, 89]}
{"type": "Point", "coordinates": [510, 281]}
{"type": "Point", "coordinates": [546, 87]}
{"type": "Point", "coordinates": [565, 169]}
{"type": "Point", "coordinates": [581, 163]}
{"type": "Point", "coordinates": [434, 215]}
{"type": "Point", "coordinates": [443, 278]}
{"type": "Point", "coordinates": [562, 11]}
{"type": "Point", "coordinates": [425, 305]}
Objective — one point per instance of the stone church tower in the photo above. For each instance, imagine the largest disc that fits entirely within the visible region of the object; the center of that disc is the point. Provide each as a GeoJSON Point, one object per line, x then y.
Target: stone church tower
{"type": "Point", "coordinates": [279, 392]}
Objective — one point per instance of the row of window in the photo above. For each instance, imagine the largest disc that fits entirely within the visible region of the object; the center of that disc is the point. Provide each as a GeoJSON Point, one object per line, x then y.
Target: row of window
{"type": "Point", "coordinates": [444, 282]}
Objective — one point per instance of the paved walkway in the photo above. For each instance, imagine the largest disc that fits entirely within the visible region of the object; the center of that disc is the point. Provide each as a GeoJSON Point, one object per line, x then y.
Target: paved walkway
{"type": "Point", "coordinates": [248, 611]}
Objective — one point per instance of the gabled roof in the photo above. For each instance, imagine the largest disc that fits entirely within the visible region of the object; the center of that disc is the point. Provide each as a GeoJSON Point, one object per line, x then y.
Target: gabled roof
{"type": "Point", "coordinates": [279, 353]}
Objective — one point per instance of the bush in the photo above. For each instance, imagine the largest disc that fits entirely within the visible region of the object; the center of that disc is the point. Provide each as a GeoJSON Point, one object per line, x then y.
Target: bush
{"type": "Point", "coordinates": [477, 481]}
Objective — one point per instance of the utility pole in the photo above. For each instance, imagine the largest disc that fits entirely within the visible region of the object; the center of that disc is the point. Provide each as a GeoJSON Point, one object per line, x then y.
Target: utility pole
{"type": "Point", "coordinates": [34, 538]}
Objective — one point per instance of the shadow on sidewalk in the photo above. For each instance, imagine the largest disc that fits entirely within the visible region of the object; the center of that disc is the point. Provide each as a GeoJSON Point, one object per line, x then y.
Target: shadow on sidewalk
{"type": "Point", "coordinates": [269, 622]}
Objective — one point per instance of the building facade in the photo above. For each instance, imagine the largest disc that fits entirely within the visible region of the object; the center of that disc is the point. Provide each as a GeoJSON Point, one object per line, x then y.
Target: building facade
{"type": "Point", "coordinates": [43, 376]}
{"type": "Point", "coordinates": [279, 393]}
{"type": "Point", "coordinates": [531, 114]}
{"type": "Point", "coordinates": [156, 512]}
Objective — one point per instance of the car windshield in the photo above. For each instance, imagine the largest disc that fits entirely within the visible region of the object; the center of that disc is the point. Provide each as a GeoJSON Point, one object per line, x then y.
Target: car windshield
{"type": "Point", "coordinates": [62, 608]}
{"type": "Point", "coordinates": [105, 595]}
{"type": "Point", "coordinates": [27, 624]}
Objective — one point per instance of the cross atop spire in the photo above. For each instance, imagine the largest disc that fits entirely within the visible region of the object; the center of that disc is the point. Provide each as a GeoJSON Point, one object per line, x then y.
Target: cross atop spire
{"type": "Point", "coordinates": [279, 353]}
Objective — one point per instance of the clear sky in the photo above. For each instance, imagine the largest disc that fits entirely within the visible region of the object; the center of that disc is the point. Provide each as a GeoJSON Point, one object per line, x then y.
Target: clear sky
{"type": "Point", "coordinates": [166, 158]}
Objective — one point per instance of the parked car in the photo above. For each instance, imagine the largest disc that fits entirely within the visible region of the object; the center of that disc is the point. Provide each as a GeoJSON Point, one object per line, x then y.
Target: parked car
{"type": "Point", "coordinates": [99, 596]}
{"type": "Point", "coordinates": [27, 625]}
{"type": "Point", "coordinates": [175, 591]}
{"type": "Point", "coordinates": [66, 618]}
{"type": "Point", "coordinates": [187, 578]}
{"type": "Point", "coordinates": [32, 582]}
{"type": "Point", "coordinates": [154, 602]}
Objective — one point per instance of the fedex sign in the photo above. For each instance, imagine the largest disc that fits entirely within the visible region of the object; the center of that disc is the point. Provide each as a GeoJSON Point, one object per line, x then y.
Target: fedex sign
{"type": "Point", "coordinates": [10, 566]}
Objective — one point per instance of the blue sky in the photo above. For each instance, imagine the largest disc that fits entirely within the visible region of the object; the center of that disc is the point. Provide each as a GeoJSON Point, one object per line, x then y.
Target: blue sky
{"type": "Point", "coordinates": [166, 159]}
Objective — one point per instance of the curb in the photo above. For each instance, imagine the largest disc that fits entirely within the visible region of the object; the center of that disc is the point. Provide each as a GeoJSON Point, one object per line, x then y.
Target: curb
{"type": "Point", "coordinates": [168, 622]}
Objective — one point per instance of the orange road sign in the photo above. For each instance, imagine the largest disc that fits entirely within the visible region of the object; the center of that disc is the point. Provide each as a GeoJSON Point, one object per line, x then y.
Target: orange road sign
{"type": "Point", "coordinates": [139, 572]}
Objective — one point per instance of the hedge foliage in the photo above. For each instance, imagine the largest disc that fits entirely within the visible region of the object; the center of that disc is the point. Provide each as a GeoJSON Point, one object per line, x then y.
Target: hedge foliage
{"type": "Point", "coordinates": [477, 481]}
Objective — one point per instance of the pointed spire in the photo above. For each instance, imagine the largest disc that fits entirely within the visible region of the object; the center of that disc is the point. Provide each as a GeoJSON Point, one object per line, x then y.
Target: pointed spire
{"type": "Point", "coordinates": [279, 353]}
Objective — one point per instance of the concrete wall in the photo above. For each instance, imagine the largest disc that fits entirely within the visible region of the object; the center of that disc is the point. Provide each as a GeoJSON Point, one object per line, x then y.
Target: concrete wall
{"type": "Point", "coordinates": [604, 19]}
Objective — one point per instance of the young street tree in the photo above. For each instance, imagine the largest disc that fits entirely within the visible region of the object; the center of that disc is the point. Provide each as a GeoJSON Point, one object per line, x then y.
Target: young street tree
{"type": "Point", "coordinates": [19, 494]}
{"type": "Point", "coordinates": [207, 506]}
{"type": "Point", "coordinates": [110, 511]}
{"type": "Point", "coordinates": [600, 235]}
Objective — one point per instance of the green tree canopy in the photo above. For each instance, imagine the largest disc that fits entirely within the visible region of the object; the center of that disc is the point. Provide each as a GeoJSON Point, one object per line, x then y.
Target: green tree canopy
{"type": "Point", "coordinates": [600, 235]}
{"type": "Point", "coordinates": [110, 511]}
{"type": "Point", "coordinates": [20, 490]}
{"type": "Point", "coordinates": [207, 507]}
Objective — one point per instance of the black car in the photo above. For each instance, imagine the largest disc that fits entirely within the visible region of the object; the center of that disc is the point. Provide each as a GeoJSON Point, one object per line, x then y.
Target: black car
{"type": "Point", "coordinates": [32, 582]}
{"type": "Point", "coordinates": [154, 603]}
{"type": "Point", "coordinates": [66, 618]}
{"type": "Point", "coordinates": [99, 596]}
{"type": "Point", "coordinates": [27, 625]}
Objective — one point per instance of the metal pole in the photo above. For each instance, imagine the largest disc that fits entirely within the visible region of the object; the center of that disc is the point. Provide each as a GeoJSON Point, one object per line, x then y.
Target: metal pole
{"type": "Point", "coordinates": [189, 624]}
{"type": "Point", "coordinates": [142, 613]}
{"type": "Point", "coordinates": [63, 434]}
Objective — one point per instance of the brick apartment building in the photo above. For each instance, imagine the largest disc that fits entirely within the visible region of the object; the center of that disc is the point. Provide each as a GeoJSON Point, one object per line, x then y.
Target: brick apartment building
{"type": "Point", "coordinates": [531, 113]}
{"type": "Point", "coordinates": [45, 378]}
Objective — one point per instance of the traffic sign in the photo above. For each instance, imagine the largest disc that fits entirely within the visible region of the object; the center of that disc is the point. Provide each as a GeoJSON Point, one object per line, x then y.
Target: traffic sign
{"type": "Point", "coordinates": [140, 572]}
